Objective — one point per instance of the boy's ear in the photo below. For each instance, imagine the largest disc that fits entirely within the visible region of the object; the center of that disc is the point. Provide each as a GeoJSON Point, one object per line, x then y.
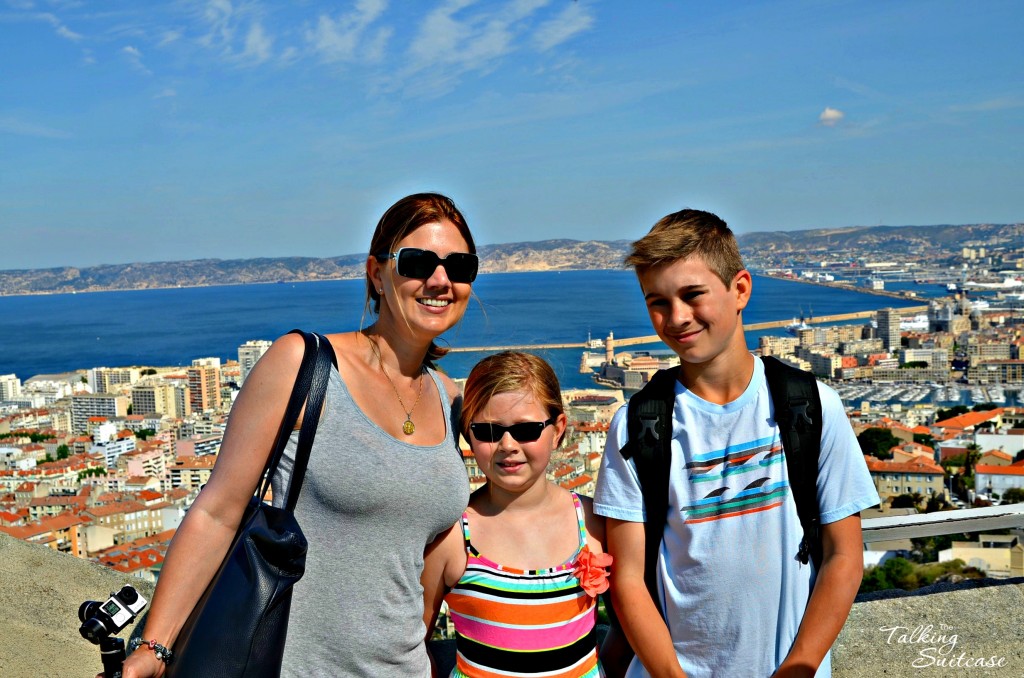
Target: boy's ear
{"type": "Point", "coordinates": [741, 286]}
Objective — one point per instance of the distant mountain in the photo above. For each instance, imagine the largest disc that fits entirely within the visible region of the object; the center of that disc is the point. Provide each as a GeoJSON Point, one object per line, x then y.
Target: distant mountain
{"type": "Point", "coordinates": [889, 238]}
{"type": "Point", "coordinates": [544, 255]}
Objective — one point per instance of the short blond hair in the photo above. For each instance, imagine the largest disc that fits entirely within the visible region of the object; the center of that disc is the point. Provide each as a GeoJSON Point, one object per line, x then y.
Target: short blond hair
{"type": "Point", "coordinates": [506, 372]}
{"type": "Point", "coordinates": [687, 233]}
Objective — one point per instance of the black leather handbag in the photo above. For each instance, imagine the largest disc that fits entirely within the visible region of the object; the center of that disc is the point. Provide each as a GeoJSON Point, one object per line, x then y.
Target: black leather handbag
{"type": "Point", "coordinates": [238, 627]}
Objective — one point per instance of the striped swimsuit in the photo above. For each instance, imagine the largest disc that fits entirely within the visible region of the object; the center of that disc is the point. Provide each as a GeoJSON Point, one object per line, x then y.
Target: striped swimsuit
{"type": "Point", "coordinates": [511, 622]}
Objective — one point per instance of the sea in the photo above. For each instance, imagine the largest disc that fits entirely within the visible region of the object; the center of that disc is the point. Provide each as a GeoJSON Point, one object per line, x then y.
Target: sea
{"type": "Point", "coordinates": [58, 333]}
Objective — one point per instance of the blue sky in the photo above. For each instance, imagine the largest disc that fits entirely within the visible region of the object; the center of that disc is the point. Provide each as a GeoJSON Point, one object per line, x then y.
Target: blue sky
{"type": "Point", "coordinates": [141, 131]}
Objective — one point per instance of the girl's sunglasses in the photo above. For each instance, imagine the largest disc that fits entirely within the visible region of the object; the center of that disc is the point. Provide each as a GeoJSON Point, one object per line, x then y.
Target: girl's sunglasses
{"type": "Point", "coordinates": [525, 432]}
{"type": "Point", "coordinates": [412, 262]}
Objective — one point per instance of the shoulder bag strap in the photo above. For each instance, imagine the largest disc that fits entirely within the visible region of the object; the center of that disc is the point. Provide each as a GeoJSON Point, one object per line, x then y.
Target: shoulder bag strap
{"type": "Point", "coordinates": [303, 380]}
{"type": "Point", "coordinates": [311, 419]}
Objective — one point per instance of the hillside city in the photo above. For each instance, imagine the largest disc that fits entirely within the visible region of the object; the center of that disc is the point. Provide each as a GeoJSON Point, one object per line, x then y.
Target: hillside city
{"type": "Point", "coordinates": [103, 463]}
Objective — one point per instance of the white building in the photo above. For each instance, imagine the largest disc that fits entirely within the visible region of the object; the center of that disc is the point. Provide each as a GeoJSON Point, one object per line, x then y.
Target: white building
{"type": "Point", "coordinates": [10, 387]}
{"type": "Point", "coordinates": [248, 354]}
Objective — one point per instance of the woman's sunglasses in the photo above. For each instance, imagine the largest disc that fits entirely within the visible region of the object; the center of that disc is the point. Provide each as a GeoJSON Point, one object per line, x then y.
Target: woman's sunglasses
{"type": "Point", "coordinates": [525, 432]}
{"type": "Point", "coordinates": [412, 262]}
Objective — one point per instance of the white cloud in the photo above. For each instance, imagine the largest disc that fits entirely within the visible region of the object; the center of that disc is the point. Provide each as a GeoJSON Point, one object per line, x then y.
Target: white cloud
{"type": "Point", "coordinates": [9, 125]}
{"type": "Point", "coordinates": [165, 93]}
{"type": "Point", "coordinates": [169, 37]}
{"type": "Point", "coordinates": [58, 26]}
{"type": "Point", "coordinates": [218, 14]}
{"type": "Point", "coordinates": [65, 32]}
{"type": "Point", "coordinates": [462, 36]}
{"type": "Point", "coordinates": [135, 57]}
{"type": "Point", "coordinates": [257, 45]}
{"type": "Point", "coordinates": [831, 117]}
{"type": "Point", "coordinates": [998, 104]}
{"type": "Point", "coordinates": [570, 21]}
{"type": "Point", "coordinates": [344, 39]}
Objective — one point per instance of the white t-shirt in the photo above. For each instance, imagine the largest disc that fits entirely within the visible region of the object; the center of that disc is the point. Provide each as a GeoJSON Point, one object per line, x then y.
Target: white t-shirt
{"type": "Point", "coordinates": [732, 588]}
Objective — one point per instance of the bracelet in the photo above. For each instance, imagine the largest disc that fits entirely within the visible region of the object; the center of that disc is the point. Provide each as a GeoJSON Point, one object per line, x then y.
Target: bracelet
{"type": "Point", "coordinates": [161, 652]}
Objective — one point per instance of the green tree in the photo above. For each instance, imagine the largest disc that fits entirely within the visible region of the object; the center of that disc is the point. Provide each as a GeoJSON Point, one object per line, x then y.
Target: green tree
{"type": "Point", "coordinates": [984, 407]}
{"type": "Point", "coordinates": [1014, 495]}
{"type": "Point", "coordinates": [973, 453]}
{"type": "Point", "coordinates": [129, 408]}
{"type": "Point", "coordinates": [63, 452]}
{"type": "Point", "coordinates": [954, 411]}
{"type": "Point", "coordinates": [877, 442]}
{"type": "Point", "coordinates": [924, 439]}
{"type": "Point", "coordinates": [143, 434]}
{"type": "Point", "coordinates": [1018, 457]}
{"type": "Point", "coordinates": [905, 501]}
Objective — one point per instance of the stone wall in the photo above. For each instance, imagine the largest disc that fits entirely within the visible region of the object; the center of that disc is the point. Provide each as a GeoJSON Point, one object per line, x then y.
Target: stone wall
{"type": "Point", "coordinates": [888, 634]}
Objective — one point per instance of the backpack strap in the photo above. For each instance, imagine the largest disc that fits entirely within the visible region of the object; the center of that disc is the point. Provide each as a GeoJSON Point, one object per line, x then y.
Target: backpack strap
{"type": "Point", "coordinates": [649, 425]}
{"type": "Point", "coordinates": [798, 414]}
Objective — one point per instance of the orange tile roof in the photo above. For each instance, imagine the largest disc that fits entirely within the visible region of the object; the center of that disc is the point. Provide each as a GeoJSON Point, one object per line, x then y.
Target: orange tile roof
{"type": "Point", "coordinates": [563, 470]}
{"type": "Point", "coordinates": [1012, 470]}
{"type": "Point", "coordinates": [918, 465]}
{"type": "Point", "coordinates": [576, 482]}
{"type": "Point", "coordinates": [999, 454]}
{"type": "Point", "coordinates": [969, 419]}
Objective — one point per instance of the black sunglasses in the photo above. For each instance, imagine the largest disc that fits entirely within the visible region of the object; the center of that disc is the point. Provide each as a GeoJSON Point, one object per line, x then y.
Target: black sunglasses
{"type": "Point", "coordinates": [412, 262]}
{"type": "Point", "coordinates": [525, 432]}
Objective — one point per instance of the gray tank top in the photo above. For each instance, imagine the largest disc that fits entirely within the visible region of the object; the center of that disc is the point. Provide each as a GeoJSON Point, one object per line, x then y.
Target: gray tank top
{"type": "Point", "coordinates": [368, 507]}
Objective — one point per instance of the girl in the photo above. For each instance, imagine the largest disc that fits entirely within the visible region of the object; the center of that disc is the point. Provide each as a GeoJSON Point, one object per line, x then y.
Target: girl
{"type": "Point", "coordinates": [384, 476]}
{"type": "Point", "coordinates": [523, 567]}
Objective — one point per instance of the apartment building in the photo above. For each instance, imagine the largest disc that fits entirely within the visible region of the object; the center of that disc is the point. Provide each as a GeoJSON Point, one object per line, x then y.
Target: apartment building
{"type": "Point", "coordinates": [87, 405]}
{"type": "Point", "coordinates": [10, 387]}
{"type": "Point", "coordinates": [248, 354]}
{"type": "Point", "coordinates": [921, 476]}
{"type": "Point", "coordinates": [192, 473]}
{"type": "Point", "coordinates": [112, 379]}
{"type": "Point", "coordinates": [203, 388]}
{"type": "Point", "coordinates": [888, 320]}
{"type": "Point", "coordinates": [161, 396]}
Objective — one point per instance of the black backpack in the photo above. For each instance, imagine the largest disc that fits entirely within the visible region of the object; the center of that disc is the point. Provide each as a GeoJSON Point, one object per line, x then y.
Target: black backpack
{"type": "Point", "coordinates": [798, 414]}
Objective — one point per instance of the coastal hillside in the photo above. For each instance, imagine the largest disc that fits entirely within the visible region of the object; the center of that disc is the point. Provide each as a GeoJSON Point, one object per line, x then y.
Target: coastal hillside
{"type": "Point", "coordinates": [891, 238]}
{"type": "Point", "coordinates": [544, 255]}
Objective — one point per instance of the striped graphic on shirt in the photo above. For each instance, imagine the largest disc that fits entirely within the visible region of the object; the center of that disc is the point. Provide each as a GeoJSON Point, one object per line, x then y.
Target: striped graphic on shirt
{"type": "Point", "coordinates": [511, 622]}
{"type": "Point", "coordinates": [736, 494]}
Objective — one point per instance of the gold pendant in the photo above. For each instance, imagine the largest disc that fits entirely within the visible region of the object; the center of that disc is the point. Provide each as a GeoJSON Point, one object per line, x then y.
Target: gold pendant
{"type": "Point", "coordinates": [408, 427]}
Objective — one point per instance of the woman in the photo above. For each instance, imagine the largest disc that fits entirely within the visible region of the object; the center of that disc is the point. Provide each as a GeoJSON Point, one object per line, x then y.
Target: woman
{"type": "Point", "coordinates": [384, 478]}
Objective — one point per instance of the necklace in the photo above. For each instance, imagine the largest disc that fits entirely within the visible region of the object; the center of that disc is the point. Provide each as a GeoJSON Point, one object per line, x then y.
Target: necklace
{"type": "Point", "coordinates": [408, 428]}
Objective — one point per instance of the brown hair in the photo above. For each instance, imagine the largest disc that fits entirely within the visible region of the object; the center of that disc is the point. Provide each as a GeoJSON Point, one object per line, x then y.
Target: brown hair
{"type": "Point", "coordinates": [687, 233]}
{"type": "Point", "coordinates": [401, 219]}
{"type": "Point", "coordinates": [506, 372]}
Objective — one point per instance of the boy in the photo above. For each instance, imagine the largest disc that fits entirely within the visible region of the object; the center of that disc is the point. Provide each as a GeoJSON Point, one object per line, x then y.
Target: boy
{"type": "Point", "coordinates": [736, 599]}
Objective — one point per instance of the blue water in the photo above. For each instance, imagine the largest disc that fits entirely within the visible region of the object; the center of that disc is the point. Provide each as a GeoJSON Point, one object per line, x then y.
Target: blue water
{"type": "Point", "coordinates": [49, 334]}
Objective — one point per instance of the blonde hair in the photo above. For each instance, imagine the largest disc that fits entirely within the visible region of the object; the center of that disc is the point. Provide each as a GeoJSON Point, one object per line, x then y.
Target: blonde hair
{"type": "Point", "coordinates": [687, 233]}
{"type": "Point", "coordinates": [506, 372]}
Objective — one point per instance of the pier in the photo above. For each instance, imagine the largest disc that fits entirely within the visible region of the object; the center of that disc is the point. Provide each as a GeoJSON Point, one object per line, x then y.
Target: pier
{"type": "Point", "coordinates": [654, 339]}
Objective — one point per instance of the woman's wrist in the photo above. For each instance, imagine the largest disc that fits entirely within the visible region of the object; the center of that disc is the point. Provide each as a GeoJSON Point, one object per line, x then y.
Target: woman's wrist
{"type": "Point", "coordinates": [164, 654]}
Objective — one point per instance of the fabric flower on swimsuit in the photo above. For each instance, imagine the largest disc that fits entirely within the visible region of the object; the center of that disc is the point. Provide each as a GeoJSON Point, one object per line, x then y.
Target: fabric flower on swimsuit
{"type": "Point", "coordinates": [591, 571]}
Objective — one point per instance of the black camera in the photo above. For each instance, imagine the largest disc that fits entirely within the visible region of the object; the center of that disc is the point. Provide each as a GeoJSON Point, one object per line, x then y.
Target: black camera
{"type": "Point", "coordinates": [101, 619]}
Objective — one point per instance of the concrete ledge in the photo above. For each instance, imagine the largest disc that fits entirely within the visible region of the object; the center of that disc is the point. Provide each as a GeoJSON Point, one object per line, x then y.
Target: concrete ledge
{"type": "Point", "coordinates": [40, 593]}
{"type": "Point", "coordinates": [887, 632]}
{"type": "Point", "coordinates": [942, 630]}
